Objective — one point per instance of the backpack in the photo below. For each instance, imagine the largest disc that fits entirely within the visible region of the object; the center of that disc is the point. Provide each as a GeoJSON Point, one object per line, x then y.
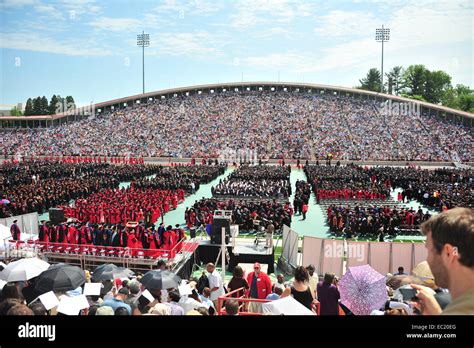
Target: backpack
{"type": "Point", "coordinates": [203, 282]}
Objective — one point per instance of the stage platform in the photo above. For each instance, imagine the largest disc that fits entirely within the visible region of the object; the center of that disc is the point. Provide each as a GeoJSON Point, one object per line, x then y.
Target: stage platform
{"type": "Point", "coordinates": [244, 252]}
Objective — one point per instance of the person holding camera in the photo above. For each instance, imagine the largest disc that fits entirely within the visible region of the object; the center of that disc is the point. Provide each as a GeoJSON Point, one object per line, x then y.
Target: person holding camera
{"type": "Point", "coordinates": [328, 295]}
{"type": "Point", "coordinates": [449, 240]}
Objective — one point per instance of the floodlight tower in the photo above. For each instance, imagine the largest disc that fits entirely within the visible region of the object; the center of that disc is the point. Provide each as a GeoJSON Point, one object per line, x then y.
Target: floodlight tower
{"type": "Point", "coordinates": [143, 40]}
{"type": "Point", "coordinates": [382, 35]}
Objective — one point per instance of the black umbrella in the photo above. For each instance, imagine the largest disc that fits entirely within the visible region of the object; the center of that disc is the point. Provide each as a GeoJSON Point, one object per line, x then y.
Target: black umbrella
{"type": "Point", "coordinates": [158, 279]}
{"type": "Point", "coordinates": [110, 271]}
{"type": "Point", "coordinates": [60, 277]}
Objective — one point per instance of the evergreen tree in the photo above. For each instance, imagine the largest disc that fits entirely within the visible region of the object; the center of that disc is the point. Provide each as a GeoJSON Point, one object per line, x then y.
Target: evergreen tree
{"type": "Point", "coordinates": [37, 106]}
{"type": "Point", "coordinates": [70, 102]}
{"type": "Point", "coordinates": [372, 81]}
{"type": "Point", "coordinates": [44, 106]}
{"type": "Point", "coordinates": [29, 107]}
{"type": "Point", "coordinates": [53, 105]}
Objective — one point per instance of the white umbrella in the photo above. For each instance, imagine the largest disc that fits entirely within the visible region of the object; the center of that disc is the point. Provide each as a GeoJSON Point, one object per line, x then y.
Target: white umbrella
{"type": "Point", "coordinates": [286, 306]}
{"type": "Point", "coordinates": [23, 269]}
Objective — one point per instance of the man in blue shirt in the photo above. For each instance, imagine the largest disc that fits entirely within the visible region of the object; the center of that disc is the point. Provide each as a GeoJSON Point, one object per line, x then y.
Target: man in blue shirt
{"type": "Point", "coordinates": [275, 295]}
{"type": "Point", "coordinates": [118, 301]}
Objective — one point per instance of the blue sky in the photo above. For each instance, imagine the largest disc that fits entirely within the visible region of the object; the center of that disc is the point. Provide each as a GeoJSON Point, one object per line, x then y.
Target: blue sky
{"type": "Point", "coordinates": [87, 48]}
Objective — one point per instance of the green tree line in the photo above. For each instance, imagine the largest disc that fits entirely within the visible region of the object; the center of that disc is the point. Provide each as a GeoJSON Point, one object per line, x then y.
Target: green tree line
{"type": "Point", "coordinates": [417, 82]}
{"type": "Point", "coordinates": [40, 105]}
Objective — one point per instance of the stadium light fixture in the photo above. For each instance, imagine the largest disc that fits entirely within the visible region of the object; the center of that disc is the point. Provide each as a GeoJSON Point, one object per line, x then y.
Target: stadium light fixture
{"type": "Point", "coordinates": [382, 35]}
{"type": "Point", "coordinates": [143, 40]}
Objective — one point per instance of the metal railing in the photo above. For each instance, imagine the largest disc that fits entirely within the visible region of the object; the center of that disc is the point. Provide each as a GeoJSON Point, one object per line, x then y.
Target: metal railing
{"type": "Point", "coordinates": [242, 300]}
{"type": "Point", "coordinates": [107, 252]}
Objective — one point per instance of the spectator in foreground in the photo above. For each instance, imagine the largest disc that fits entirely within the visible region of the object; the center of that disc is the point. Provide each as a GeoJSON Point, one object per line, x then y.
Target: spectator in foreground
{"type": "Point", "coordinates": [450, 244]}
{"type": "Point", "coordinates": [232, 307]}
{"type": "Point", "coordinates": [280, 282]}
{"type": "Point", "coordinates": [238, 281]}
{"type": "Point", "coordinates": [401, 271]}
{"type": "Point", "coordinates": [10, 290]}
{"type": "Point", "coordinates": [215, 283]}
{"type": "Point", "coordinates": [105, 310]}
{"type": "Point", "coordinates": [328, 295]}
{"type": "Point", "coordinates": [20, 309]}
{"type": "Point", "coordinates": [313, 279]}
{"type": "Point", "coordinates": [276, 294]}
{"type": "Point", "coordinates": [260, 287]}
{"type": "Point", "coordinates": [174, 298]}
{"type": "Point", "coordinates": [38, 308]}
{"type": "Point", "coordinates": [205, 299]}
{"type": "Point", "coordinates": [121, 311]}
{"type": "Point", "coordinates": [300, 289]}
{"type": "Point", "coordinates": [119, 301]}
{"type": "Point", "coordinates": [160, 309]}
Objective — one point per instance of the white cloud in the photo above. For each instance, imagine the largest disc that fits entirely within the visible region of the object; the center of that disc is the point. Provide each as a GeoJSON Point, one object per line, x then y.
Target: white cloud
{"type": "Point", "coordinates": [272, 32]}
{"type": "Point", "coordinates": [290, 61]}
{"type": "Point", "coordinates": [424, 23]}
{"type": "Point", "coordinates": [347, 23]}
{"type": "Point", "coordinates": [116, 24]}
{"type": "Point", "coordinates": [41, 43]}
{"type": "Point", "coordinates": [198, 44]}
{"type": "Point", "coordinates": [415, 26]}
{"type": "Point", "coordinates": [49, 11]}
{"type": "Point", "coordinates": [251, 13]}
{"type": "Point", "coordinates": [185, 7]}
{"type": "Point", "coordinates": [17, 3]}
{"type": "Point", "coordinates": [81, 7]}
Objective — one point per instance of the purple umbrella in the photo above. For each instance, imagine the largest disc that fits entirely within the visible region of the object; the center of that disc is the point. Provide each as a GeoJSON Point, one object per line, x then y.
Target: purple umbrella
{"type": "Point", "coordinates": [363, 289]}
{"type": "Point", "coordinates": [4, 201]}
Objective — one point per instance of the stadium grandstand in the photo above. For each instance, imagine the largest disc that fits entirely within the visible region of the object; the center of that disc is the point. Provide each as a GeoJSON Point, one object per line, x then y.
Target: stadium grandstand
{"type": "Point", "coordinates": [249, 158]}
{"type": "Point", "coordinates": [275, 120]}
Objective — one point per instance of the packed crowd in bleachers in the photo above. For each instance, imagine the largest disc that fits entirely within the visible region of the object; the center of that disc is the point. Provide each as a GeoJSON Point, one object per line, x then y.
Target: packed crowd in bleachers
{"type": "Point", "coordinates": [260, 181]}
{"type": "Point", "coordinates": [274, 125]}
